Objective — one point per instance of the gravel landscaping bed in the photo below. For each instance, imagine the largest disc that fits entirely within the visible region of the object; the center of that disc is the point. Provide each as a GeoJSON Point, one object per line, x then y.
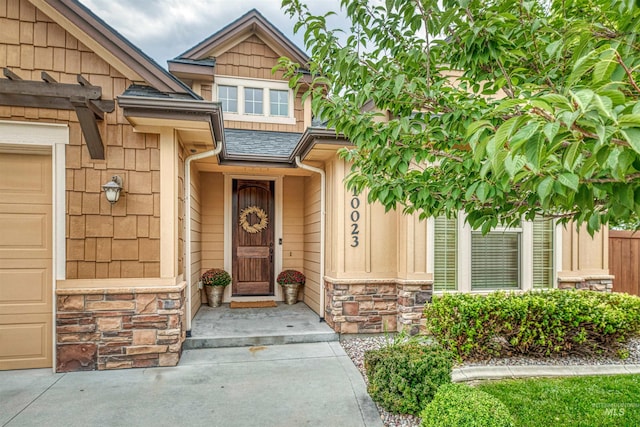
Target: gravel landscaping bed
{"type": "Point", "coordinates": [356, 347]}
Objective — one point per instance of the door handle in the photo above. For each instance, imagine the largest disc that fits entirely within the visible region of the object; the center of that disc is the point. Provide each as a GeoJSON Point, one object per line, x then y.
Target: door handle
{"type": "Point", "coordinates": [271, 254]}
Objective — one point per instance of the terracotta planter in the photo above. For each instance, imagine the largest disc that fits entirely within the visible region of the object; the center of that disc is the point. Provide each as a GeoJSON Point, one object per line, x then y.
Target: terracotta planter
{"type": "Point", "coordinates": [290, 291]}
{"type": "Point", "coordinates": [214, 295]}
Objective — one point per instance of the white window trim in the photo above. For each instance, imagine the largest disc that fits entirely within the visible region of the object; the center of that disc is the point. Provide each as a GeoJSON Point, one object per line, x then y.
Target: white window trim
{"type": "Point", "coordinates": [464, 255]}
{"type": "Point", "coordinates": [266, 86]}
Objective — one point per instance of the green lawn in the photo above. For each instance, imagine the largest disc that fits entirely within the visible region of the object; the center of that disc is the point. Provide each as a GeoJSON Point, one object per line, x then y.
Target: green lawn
{"type": "Point", "coordinates": [577, 401]}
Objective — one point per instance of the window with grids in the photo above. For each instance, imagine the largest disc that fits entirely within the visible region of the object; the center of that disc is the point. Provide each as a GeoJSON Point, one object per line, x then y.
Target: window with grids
{"type": "Point", "coordinates": [228, 97]}
{"type": "Point", "coordinates": [253, 100]}
{"type": "Point", "coordinates": [445, 238]}
{"type": "Point", "coordinates": [279, 104]}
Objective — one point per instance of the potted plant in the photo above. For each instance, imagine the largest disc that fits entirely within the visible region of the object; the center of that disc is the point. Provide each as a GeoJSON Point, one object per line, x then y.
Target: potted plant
{"type": "Point", "coordinates": [214, 281]}
{"type": "Point", "coordinates": [290, 280]}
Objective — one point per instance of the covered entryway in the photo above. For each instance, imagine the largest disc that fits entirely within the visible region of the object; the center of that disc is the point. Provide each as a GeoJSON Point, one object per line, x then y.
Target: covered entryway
{"type": "Point", "coordinates": [253, 238]}
{"type": "Point", "coordinates": [25, 259]}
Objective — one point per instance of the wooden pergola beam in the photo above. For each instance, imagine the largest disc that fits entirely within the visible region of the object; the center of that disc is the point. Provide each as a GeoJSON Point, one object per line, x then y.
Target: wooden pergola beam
{"type": "Point", "coordinates": [89, 126]}
{"type": "Point", "coordinates": [83, 98]}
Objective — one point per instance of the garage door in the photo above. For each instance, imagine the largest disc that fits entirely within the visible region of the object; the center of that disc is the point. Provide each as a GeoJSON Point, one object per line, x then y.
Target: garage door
{"type": "Point", "coordinates": [25, 261]}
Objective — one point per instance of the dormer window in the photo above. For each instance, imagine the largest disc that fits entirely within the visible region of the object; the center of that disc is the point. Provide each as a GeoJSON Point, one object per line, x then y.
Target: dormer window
{"type": "Point", "coordinates": [255, 100]}
{"type": "Point", "coordinates": [228, 97]}
{"type": "Point", "coordinates": [279, 102]}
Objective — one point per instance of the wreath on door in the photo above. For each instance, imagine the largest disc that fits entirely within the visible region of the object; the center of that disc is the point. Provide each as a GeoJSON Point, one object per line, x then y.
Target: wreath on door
{"type": "Point", "coordinates": [258, 226]}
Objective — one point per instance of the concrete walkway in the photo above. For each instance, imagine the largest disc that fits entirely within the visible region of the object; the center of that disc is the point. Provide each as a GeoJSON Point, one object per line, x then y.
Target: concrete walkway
{"type": "Point", "coordinates": [293, 385]}
{"type": "Point", "coordinates": [473, 373]}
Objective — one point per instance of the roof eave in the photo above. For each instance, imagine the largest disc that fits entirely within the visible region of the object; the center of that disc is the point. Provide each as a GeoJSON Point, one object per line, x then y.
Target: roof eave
{"type": "Point", "coordinates": [182, 109]}
{"type": "Point", "coordinates": [310, 138]}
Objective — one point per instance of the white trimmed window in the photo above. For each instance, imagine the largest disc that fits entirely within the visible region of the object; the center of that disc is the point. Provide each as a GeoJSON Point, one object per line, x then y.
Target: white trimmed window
{"type": "Point", "coordinates": [228, 97]}
{"type": "Point", "coordinates": [279, 102]}
{"type": "Point", "coordinates": [505, 258]}
{"type": "Point", "coordinates": [255, 100]}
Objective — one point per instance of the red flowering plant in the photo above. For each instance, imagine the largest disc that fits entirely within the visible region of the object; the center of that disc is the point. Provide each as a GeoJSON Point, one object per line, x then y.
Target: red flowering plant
{"type": "Point", "coordinates": [216, 277]}
{"type": "Point", "coordinates": [290, 276]}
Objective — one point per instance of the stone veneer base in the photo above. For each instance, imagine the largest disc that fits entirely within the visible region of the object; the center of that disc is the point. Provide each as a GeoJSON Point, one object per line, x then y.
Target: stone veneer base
{"type": "Point", "coordinates": [100, 329]}
{"type": "Point", "coordinates": [357, 307]}
{"type": "Point", "coordinates": [595, 283]}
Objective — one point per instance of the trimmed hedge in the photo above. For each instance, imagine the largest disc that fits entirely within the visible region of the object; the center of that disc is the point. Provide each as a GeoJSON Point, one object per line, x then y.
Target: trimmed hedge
{"type": "Point", "coordinates": [404, 377]}
{"type": "Point", "coordinates": [458, 405]}
{"type": "Point", "coordinates": [538, 323]}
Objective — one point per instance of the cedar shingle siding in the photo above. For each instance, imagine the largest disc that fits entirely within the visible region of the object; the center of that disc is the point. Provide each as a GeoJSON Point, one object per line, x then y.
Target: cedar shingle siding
{"type": "Point", "coordinates": [102, 241]}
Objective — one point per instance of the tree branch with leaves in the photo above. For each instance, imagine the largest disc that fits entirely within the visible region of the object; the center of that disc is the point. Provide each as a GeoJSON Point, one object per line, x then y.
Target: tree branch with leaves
{"type": "Point", "coordinates": [510, 110]}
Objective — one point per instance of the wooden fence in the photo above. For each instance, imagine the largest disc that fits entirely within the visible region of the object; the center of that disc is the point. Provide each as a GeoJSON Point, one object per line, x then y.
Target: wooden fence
{"type": "Point", "coordinates": [624, 261]}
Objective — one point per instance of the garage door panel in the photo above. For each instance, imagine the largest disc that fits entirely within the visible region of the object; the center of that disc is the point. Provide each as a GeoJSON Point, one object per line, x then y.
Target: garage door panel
{"type": "Point", "coordinates": [26, 270]}
{"type": "Point", "coordinates": [26, 179]}
{"type": "Point", "coordinates": [25, 286]}
{"type": "Point", "coordinates": [25, 234]}
{"type": "Point", "coordinates": [25, 341]}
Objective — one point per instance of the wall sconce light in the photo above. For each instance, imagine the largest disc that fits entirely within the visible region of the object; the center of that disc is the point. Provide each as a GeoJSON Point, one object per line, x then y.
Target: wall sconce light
{"type": "Point", "coordinates": [112, 189]}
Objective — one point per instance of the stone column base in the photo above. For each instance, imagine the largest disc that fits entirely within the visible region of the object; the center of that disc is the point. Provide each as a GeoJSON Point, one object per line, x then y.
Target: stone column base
{"type": "Point", "coordinates": [411, 301]}
{"type": "Point", "coordinates": [374, 306]}
{"type": "Point", "coordinates": [99, 329]}
{"type": "Point", "coordinates": [593, 283]}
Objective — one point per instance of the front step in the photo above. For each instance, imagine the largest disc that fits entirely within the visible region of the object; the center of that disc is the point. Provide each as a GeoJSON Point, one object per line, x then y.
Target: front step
{"type": "Point", "coordinates": [193, 343]}
{"type": "Point", "coordinates": [285, 324]}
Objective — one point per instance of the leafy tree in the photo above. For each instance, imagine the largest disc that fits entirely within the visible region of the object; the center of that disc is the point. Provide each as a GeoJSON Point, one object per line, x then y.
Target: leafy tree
{"type": "Point", "coordinates": [502, 109]}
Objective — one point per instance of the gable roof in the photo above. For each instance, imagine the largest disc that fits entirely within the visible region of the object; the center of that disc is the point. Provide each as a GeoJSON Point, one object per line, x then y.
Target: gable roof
{"type": "Point", "coordinates": [252, 22]}
{"type": "Point", "coordinates": [105, 41]}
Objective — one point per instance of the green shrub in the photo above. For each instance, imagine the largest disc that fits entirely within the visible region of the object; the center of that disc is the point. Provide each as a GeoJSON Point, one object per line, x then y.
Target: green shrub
{"type": "Point", "coordinates": [403, 377]}
{"type": "Point", "coordinates": [535, 323]}
{"type": "Point", "coordinates": [458, 405]}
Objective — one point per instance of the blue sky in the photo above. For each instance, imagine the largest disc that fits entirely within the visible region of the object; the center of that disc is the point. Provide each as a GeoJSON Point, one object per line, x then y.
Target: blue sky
{"type": "Point", "coordinates": [165, 28]}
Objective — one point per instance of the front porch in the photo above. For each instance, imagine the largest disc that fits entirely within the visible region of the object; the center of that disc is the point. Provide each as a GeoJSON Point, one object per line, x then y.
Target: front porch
{"type": "Point", "coordinates": [284, 324]}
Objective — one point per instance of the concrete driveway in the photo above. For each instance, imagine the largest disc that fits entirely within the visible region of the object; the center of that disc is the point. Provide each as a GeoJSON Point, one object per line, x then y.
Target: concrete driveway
{"type": "Point", "coordinates": [287, 385]}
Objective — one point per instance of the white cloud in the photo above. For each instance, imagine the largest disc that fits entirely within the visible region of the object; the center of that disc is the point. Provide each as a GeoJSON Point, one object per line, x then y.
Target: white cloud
{"type": "Point", "coordinates": [165, 28]}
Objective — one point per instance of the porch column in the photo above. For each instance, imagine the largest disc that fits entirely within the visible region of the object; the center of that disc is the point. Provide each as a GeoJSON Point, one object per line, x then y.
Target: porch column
{"type": "Point", "coordinates": [168, 204]}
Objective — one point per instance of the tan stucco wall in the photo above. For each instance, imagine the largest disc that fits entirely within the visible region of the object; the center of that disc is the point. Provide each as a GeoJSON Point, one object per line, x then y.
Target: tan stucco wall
{"type": "Point", "coordinates": [375, 255]}
{"type": "Point", "coordinates": [395, 246]}
{"type": "Point", "coordinates": [412, 248]}
{"type": "Point", "coordinates": [102, 241]}
{"type": "Point", "coordinates": [582, 255]}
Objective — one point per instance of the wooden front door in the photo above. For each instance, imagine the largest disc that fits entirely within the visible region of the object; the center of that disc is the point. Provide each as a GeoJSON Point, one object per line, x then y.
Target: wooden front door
{"type": "Point", "coordinates": [253, 215]}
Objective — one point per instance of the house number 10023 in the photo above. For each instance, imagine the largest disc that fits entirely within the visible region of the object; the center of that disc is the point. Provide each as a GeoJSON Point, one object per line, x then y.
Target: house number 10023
{"type": "Point", "coordinates": [355, 217]}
